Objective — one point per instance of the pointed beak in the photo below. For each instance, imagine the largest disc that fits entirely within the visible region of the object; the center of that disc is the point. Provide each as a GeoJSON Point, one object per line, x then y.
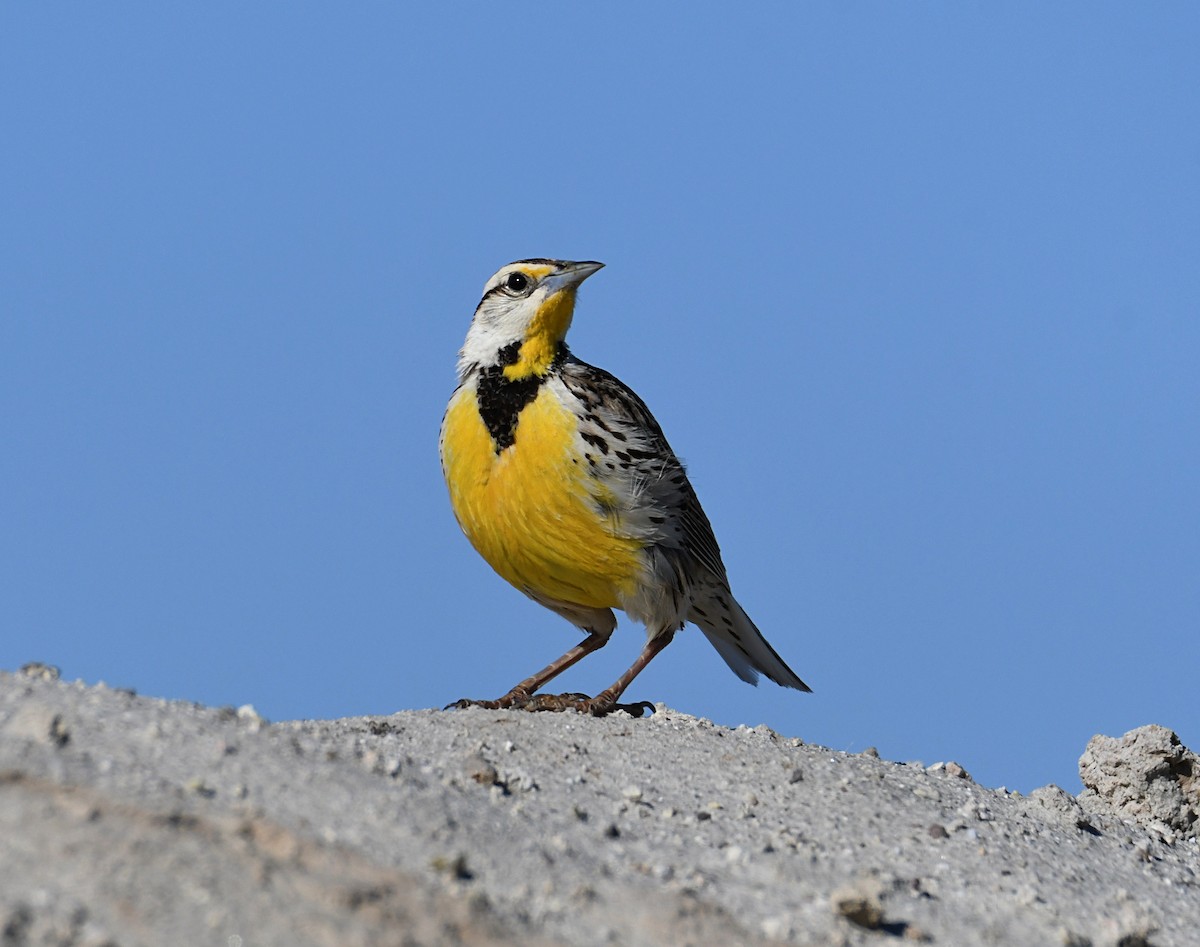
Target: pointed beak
{"type": "Point", "coordinates": [572, 274]}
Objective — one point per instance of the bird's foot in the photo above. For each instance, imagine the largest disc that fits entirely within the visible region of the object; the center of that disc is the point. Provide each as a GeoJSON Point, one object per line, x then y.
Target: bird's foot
{"type": "Point", "coordinates": [514, 699]}
{"type": "Point", "coordinates": [598, 706]}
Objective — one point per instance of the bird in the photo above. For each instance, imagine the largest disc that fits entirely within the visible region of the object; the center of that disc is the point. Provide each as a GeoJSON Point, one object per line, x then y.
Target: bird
{"type": "Point", "coordinates": [564, 483]}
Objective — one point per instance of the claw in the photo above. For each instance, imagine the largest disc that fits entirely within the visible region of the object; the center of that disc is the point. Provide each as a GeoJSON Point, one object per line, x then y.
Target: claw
{"type": "Point", "coordinates": [466, 702]}
{"type": "Point", "coordinates": [637, 709]}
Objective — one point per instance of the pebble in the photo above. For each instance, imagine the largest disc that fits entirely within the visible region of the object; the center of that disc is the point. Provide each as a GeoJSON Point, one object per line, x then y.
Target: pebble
{"type": "Point", "coordinates": [39, 723]}
{"type": "Point", "coordinates": [200, 788]}
{"type": "Point", "coordinates": [39, 671]}
{"type": "Point", "coordinates": [247, 714]}
{"type": "Point", "coordinates": [858, 905]}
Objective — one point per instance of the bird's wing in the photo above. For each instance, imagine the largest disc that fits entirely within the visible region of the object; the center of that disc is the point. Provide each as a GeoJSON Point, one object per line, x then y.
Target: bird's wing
{"type": "Point", "coordinates": [635, 456]}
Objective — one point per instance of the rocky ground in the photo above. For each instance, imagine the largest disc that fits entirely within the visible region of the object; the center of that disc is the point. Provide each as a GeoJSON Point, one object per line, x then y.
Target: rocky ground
{"type": "Point", "coordinates": [127, 820]}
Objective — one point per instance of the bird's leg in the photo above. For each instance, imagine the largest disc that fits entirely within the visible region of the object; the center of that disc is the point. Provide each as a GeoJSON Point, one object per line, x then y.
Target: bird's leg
{"type": "Point", "coordinates": [605, 702]}
{"type": "Point", "coordinates": [522, 694]}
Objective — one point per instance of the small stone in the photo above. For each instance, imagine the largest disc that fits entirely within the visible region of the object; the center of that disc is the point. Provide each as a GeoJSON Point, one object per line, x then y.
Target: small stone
{"type": "Point", "coordinates": [1058, 802]}
{"type": "Point", "coordinates": [452, 866]}
{"type": "Point", "coordinates": [585, 894]}
{"type": "Point", "coordinates": [872, 752]}
{"type": "Point", "coordinates": [253, 720]}
{"type": "Point", "coordinates": [611, 831]}
{"type": "Point", "coordinates": [200, 788]}
{"type": "Point", "coordinates": [59, 734]}
{"type": "Point", "coordinates": [632, 793]}
{"type": "Point", "coordinates": [39, 671]}
{"type": "Point", "coordinates": [937, 830]}
{"type": "Point", "coordinates": [482, 772]}
{"type": "Point", "coordinates": [795, 776]}
{"type": "Point", "coordinates": [858, 905]}
{"type": "Point", "coordinates": [40, 723]}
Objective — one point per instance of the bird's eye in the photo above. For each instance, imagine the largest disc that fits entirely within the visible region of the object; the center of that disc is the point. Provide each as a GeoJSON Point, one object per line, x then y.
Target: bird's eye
{"type": "Point", "coordinates": [516, 282]}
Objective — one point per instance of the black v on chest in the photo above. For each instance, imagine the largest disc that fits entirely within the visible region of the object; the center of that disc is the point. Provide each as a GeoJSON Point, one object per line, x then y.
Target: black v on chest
{"type": "Point", "coordinates": [501, 400]}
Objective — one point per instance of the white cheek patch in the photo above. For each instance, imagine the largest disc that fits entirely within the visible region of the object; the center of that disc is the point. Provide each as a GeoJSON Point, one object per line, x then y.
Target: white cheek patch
{"type": "Point", "coordinates": [500, 321]}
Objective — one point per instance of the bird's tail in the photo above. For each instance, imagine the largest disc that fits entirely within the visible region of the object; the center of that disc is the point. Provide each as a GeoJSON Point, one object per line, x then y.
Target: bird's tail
{"type": "Point", "coordinates": [738, 640]}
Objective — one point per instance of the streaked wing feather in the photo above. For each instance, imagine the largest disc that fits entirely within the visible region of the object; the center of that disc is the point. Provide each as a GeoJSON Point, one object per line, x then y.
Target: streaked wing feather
{"type": "Point", "coordinates": [620, 409]}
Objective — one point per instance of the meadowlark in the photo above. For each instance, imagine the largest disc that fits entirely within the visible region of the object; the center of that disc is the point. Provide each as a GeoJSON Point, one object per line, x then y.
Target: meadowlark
{"type": "Point", "coordinates": [563, 481]}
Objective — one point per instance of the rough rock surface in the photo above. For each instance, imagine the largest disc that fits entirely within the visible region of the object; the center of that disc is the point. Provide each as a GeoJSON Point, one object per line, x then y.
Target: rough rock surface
{"type": "Point", "coordinates": [133, 821]}
{"type": "Point", "coordinates": [1149, 776]}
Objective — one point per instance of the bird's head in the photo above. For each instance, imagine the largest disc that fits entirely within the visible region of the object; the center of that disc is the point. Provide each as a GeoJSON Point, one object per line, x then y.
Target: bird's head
{"type": "Point", "coordinates": [523, 317]}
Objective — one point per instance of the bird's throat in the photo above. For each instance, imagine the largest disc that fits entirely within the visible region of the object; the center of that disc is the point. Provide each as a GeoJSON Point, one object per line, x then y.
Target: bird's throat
{"type": "Point", "coordinates": [501, 399]}
{"type": "Point", "coordinates": [544, 338]}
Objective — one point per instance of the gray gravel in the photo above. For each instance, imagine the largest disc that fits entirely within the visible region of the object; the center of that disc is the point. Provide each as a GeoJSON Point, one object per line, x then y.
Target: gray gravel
{"type": "Point", "coordinates": [127, 820]}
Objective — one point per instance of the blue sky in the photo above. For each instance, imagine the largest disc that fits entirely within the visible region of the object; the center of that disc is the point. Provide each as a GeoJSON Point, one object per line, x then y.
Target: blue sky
{"type": "Point", "coordinates": [913, 289]}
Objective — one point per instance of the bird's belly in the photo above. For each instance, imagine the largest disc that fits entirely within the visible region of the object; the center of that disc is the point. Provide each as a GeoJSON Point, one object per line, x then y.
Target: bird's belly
{"type": "Point", "coordinates": [532, 511]}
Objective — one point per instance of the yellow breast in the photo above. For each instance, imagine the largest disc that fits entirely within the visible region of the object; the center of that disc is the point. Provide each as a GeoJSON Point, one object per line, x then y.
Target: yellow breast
{"type": "Point", "coordinates": [530, 510]}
